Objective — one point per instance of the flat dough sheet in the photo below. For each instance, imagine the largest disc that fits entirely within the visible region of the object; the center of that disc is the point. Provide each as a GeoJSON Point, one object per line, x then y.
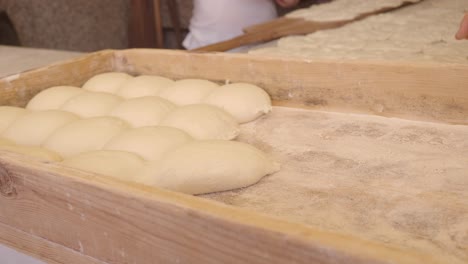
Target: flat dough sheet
{"type": "Point", "coordinates": [402, 183]}
{"type": "Point", "coordinates": [338, 10]}
{"type": "Point", "coordinates": [421, 32]}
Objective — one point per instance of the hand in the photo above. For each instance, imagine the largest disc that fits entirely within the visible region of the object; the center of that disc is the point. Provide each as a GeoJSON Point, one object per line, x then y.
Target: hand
{"type": "Point", "coordinates": [463, 31]}
{"type": "Point", "coordinates": [287, 3]}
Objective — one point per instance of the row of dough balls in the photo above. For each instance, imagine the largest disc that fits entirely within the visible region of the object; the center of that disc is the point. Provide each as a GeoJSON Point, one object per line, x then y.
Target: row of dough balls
{"type": "Point", "coordinates": [202, 108]}
{"type": "Point", "coordinates": [201, 121]}
{"type": "Point", "coordinates": [245, 102]}
{"type": "Point", "coordinates": [159, 156]}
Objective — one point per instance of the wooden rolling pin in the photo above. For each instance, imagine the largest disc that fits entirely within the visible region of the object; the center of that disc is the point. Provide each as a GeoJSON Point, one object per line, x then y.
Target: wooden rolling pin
{"type": "Point", "coordinates": [286, 26]}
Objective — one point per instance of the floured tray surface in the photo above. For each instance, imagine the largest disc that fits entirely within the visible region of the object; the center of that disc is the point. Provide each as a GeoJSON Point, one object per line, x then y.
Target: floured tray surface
{"type": "Point", "coordinates": [403, 183]}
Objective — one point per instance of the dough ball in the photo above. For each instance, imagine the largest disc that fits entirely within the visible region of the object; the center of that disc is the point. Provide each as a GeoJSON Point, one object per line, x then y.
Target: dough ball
{"type": "Point", "coordinates": [109, 82]}
{"type": "Point", "coordinates": [91, 104]}
{"type": "Point", "coordinates": [143, 111]}
{"type": "Point", "coordinates": [203, 121]}
{"type": "Point", "coordinates": [34, 128]}
{"type": "Point", "coordinates": [246, 102]}
{"type": "Point", "coordinates": [119, 164]}
{"type": "Point", "coordinates": [151, 143]}
{"type": "Point", "coordinates": [8, 114]}
{"type": "Point", "coordinates": [208, 166]}
{"type": "Point", "coordinates": [33, 151]}
{"type": "Point", "coordinates": [144, 85]}
{"type": "Point", "coordinates": [188, 91]}
{"type": "Point", "coordinates": [84, 135]}
{"type": "Point", "coordinates": [4, 141]}
{"type": "Point", "coordinates": [54, 97]}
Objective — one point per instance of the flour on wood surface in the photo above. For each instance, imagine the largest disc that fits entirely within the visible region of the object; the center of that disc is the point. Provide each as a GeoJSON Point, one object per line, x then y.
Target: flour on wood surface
{"type": "Point", "coordinates": [421, 32]}
{"type": "Point", "coordinates": [403, 183]}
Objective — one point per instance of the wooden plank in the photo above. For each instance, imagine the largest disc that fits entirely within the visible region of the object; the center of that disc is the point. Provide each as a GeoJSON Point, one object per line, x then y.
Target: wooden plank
{"type": "Point", "coordinates": [416, 91]}
{"type": "Point", "coordinates": [19, 88]}
{"type": "Point", "coordinates": [41, 248]}
{"type": "Point", "coordinates": [117, 222]}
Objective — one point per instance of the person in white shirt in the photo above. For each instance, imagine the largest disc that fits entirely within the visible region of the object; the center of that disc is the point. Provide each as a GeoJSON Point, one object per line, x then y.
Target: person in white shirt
{"type": "Point", "coordinates": [218, 20]}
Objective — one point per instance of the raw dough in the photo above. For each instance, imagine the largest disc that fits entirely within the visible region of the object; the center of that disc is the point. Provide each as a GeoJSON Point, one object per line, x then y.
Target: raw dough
{"type": "Point", "coordinates": [144, 85]}
{"type": "Point", "coordinates": [119, 164]}
{"type": "Point", "coordinates": [151, 143]}
{"type": "Point", "coordinates": [4, 141]}
{"type": "Point", "coordinates": [35, 127]}
{"type": "Point", "coordinates": [92, 104]}
{"type": "Point", "coordinates": [188, 91]}
{"type": "Point", "coordinates": [208, 166]}
{"type": "Point", "coordinates": [52, 98]}
{"type": "Point", "coordinates": [8, 114]}
{"type": "Point", "coordinates": [143, 111]}
{"type": "Point", "coordinates": [246, 102]}
{"type": "Point", "coordinates": [338, 10]}
{"type": "Point", "coordinates": [384, 37]}
{"type": "Point", "coordinates": [84, 135]}
{"type": "Point", "coordinates": [33, 151]}
{"type": "Point", "coordinates": [109, 82]}
{"type": "Point", "coordinates": [203, 121]}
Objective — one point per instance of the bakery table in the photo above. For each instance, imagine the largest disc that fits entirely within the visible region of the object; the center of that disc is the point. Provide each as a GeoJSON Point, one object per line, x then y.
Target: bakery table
{"type": "Point", "coordinates": [18, 59]}
{"type": "Point", "coordinates": [14, 60]}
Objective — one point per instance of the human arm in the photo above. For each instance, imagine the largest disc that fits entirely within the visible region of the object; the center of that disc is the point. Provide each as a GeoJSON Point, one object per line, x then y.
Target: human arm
{"type": "Point", "coordinates": [287, 3]}
{"type": "Point", "coordinates": [463, 31]}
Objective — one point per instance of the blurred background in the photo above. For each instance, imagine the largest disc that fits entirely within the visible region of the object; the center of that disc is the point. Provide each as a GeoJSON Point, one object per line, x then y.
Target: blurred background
{"type": "Point", "coordinates": [90, 25]}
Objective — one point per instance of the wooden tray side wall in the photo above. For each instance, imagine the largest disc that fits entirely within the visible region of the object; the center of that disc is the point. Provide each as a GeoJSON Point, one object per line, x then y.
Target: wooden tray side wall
{"type": "Point", "coordinates": [97, 218]}
{"type": "Point", "coordinates": [18, 89]}
{"type": "Point", "coordinates": [430, 92]}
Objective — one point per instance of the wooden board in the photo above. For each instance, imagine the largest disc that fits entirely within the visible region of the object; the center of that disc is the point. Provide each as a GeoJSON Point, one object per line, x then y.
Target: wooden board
{"type": "Point", "coordinates": [44, 207]}
{"type": "Point", "coordinates": [123, 223]}
{"type": "Point", "coordinates": [41, 248]}
{"type": "Point", "coordinates": [417, 91]}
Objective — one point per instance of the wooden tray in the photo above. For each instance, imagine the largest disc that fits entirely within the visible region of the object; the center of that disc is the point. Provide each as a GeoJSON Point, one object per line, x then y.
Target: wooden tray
{"type": "Point", "coordinates": [63, 215]}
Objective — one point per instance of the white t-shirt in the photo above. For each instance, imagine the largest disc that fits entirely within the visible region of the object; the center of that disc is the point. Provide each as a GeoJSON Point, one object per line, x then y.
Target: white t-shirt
{"type": "Point", "coordinates": [218, 20]}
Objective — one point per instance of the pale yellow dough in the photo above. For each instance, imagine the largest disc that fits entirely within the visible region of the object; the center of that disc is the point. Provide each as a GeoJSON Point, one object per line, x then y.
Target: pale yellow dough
{"type": "Point", "coordinates": [246, 102]}
{"type": "Point", "coordinates": [4, 141]}
{"type": "Point", "coordinates": [34, 127]}
{"type": "Point", "coordinates": [53, 98]}
{"type": "Point", "coordinates": [208, 166]}
{"type": "Point", "coordinates": [144, 85]}
{"type": "Point", "coordinates": [143, 111]}
{"type": "Point", "coordinates": [203, 121]}
{"type": "Point", "coordinates": [339, 10]}
{"type": "Point", "coordinates": [109, 82]}
{"type": "Point", "coordinates": [188, 91]}
{"type": "Point", "coordinates": [84, 135]}
{"type": "Point", "coordinates": [8, 114]}
{"type": "Point", "coordinates": [146, 129]}
{"type": "Point", "coordinates": [91, 104]}
{"type": "Point", "coordinates": [151, 143]}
